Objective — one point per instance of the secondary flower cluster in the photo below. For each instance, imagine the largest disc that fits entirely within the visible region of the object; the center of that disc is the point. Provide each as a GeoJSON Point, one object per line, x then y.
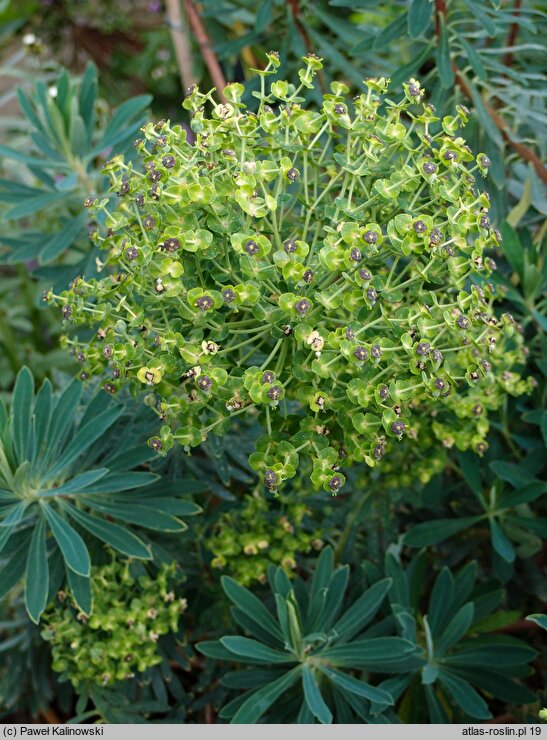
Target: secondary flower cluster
{"type": "Point", "coordinates": [130, 613]}
{"type": "Point", "coordinates": [248, 540]}
{"type": "Point", "coordinates": [324, 268]}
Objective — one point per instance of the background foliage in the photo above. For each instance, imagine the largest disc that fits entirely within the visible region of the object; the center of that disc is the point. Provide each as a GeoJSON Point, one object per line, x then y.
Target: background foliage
{"type": "Point", "coordinates": [440, 562]}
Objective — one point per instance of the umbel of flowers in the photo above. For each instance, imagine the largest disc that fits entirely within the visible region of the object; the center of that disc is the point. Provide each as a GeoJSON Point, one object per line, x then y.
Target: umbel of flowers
{"type": "Point", "coordinates": [324, 268]}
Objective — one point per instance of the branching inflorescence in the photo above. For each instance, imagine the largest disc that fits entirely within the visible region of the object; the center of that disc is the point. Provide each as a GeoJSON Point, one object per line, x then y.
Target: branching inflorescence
{"type": "Point", "coordinates": [324, 269]}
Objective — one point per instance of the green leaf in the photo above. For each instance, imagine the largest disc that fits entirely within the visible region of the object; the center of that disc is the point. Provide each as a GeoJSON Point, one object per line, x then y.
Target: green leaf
{"type": "Point", "coordinates": [320, 580]}
{"type": "Point", "coordinates": [123, 116]}
{"type": "Point", "coordinates": [470, 469]}
{"type": "Point", "coordinates": [440, 601]}
{"type": "Point", "coordinates": [500, 542]}
{"type": "Point", "coordinates": [480, 15]}
{"type": "Point", "coordinates": [431, 533]}
{"type": "Point", "coordinates": [390, 33]}
{"type": "Point", "coordinates": [485, 119]}
{"type": "Point", "coordinates": [419, 17]}
{"type": "Point", "coordinates": [37, 573]}
{"type": "Point", "coordinates": [314, 700]}
{"type": "Point", "coordinates": [252, 605]}
{"type": "Point", "coordinates": [525, 495]}
{"type": "Point", "coordinates": [539, 526]}
{"type": "Point", "coordinates": [33, 205]}
{"type": "Point", "coordinates": [457, 627]}
{"type": "Point", "coordinates": [61, 421]}
{"type": "Point", "coordinates": [362, 611]}
{"type": "Point", "coordinates": [86, 98]}
{"type": "Point", "coordinates": [444, 63]}
{"type": "Point", "coordinates": [540, 619]}
{"type": "Point", "coordinates": [244, 647]}
{"type": "Point", "coordinates": [516, 475]}
{"type": "Point", "coordinates": [214, 649]}
{"type": "Point", "coordinates": [474, 59]}
{"type": "Point", "coordinates": [512, 248]}
{"type": "Point", "coordinates": [135, 513]}
{"type": "Point", "coordinates": [8, 153]}
{"type": "Point", "coordinates": [42, 417]}
{"type": "Point", "coordinates": [494, 652]}
{"type": "Point", "coordinates": [13, 570]}
{"type": "Point", "coordinates": [497, 684]}
{"type": "Point", "coordinates": [361, 688]}
{"type": "Point", "coordinates": [21, 410]}
{"type": "Point", "coordinates": [76, 484]}
{"type": "Point", "coordinates": [70, 543]}
{"type": "Point", "coordinates": [400, 75]}
{"type": "Point", "coordinates": [81, 590]}
{"type": "Point", "coordinates": [118, 537]}
{"type": "Point", "coordinates": [85, 437]}
{"type": "Point", "coordinates": [368, 654]}
{"type": "Point", "coordinates": [63, 239]}
{"type": "Point", "coordinates": [465, 695]}
{"type": "Point", "coordinates": [260, 701]}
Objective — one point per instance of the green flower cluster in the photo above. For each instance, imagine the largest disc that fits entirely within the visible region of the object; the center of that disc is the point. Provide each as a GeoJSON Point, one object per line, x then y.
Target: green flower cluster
{"type": "Point", "coordinates": [252, 537]}
{"type": "Point", "coordinates": [130, 613]}
{"type": "Point", "coordinates": [326, 270]}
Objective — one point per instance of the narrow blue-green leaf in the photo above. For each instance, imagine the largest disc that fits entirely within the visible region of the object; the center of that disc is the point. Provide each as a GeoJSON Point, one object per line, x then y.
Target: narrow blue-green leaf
{"type": "Point", "coordinates": [76, 484]}
{"type": "Point", "coordinates": [125, 112]}
{"type": "Point", "coordinates": [62, 419]}
{"type": "Point", "coordinates": [72, 546]}
{"type": "Point", "coordinates": [456, 629]}
{"type": "Point", "coordinates": [361, 688]}
{"type": "Point", "coordinates": [419, 17]}
{"type": "Point", "coordinates": [120, 538]}
{"type": "Point", "coordinates": [320, 580]}
{"type": "Point", "coordinates": [244, 647]}
{"type": "Point", "coordinates": [149, 517]}
{"type": "Point", "coordinates": [431, 533]}
{"type": "Point", "coordinates": [248, 602]}
{"type": "Point", "coordinates": [485, 119]}
{"type": "Point", "coordinates": [29, 111]}
{"type": "Point", "coordinates": [37, 573]}
{"type": "Point", "coordinates": [514, 474]}
{"type": "Point", "coordinates": [33, 205]}
{"type": "Point", "coordinates": [540, 619]}
{"type": "Point", "coordinates": [537, 525]}
{"type": "Point", "coordinates": [469, 466]}
{"type": "Point", "coordinates": [390, 33]}
{"type": "Point", "coordinates": [497, 684]}
{"type": "Point", "coordinates": [260, 701]}
{"type": "Point", "coordinates": [86, 98]}
{"type": "Point", "coordinates": [314, 699]}
{"type": "Point", "coordinates": [444, 63]}
{"type": "Point", "coordinates": [113, 483]}
{"type": "Point", "coordinates": [371, 653]}
{"type": "Point", "coordinates": [42, 416]}
{"type": "Point", "coordinates": [474, 59]}
{"type": "Point", "coordinates": [465, 696]}
{"type": "Point", "coordinates": [8, 153]}
{"type": "Point", "coordinates": [13, 514]}
{"type": "Point", "coordinates": [81, 590]}
{"type": "Point", "coordinates": [21, 410]}
{"type": "Point", "coordinates": [477, 10]}
{"type": "Point", "coordinates": [362, 611]}
{"type": "Point", "coordinates": [501, 543]}
{"type": "Point", "coordinates": [440, 601]}
{"type": "Point", "coordinates": [85, 437]}
{"type": "Point", "coordinates": [13, 570]}
{"type": "Point", "coordinates": [62, 240]}
{"type": "Point", "coordinates": [214, 649]}
{"type": "Point", "coordinates": [334, 600]}
{"type": "Point", "coordinates": [524, 495]}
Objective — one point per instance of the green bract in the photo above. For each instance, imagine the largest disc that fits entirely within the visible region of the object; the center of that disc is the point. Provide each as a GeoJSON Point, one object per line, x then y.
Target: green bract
{"type": "Point", "coordinates": [65, 484]}
{"type": "Point", "coordinates": [326, 269]}
{"type": "Point", "coordinates": [248, 539]}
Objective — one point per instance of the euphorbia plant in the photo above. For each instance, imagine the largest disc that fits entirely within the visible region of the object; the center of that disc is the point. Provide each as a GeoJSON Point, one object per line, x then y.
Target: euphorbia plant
{"type": "Point", "coordinates": [325, 269]}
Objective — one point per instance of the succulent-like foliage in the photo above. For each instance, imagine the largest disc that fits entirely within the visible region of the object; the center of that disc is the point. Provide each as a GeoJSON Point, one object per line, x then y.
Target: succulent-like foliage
{"type": "Point", "coordinates": [308, 643]}
{"type": "Point", "coordinates": [63, 477]}
{"type": "Point", "coordinates": [69, 129]}
{"type": "Point", "coordinates": [304, 653]}
{"type": "Point", "coordinates": [132, 610]}
{"type": "Point", "coordinates": [325, 268]}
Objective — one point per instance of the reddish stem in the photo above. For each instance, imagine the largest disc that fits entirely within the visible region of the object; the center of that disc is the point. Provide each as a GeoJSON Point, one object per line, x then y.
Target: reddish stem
{"type": "Point", "coordinates": [512, 35]}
